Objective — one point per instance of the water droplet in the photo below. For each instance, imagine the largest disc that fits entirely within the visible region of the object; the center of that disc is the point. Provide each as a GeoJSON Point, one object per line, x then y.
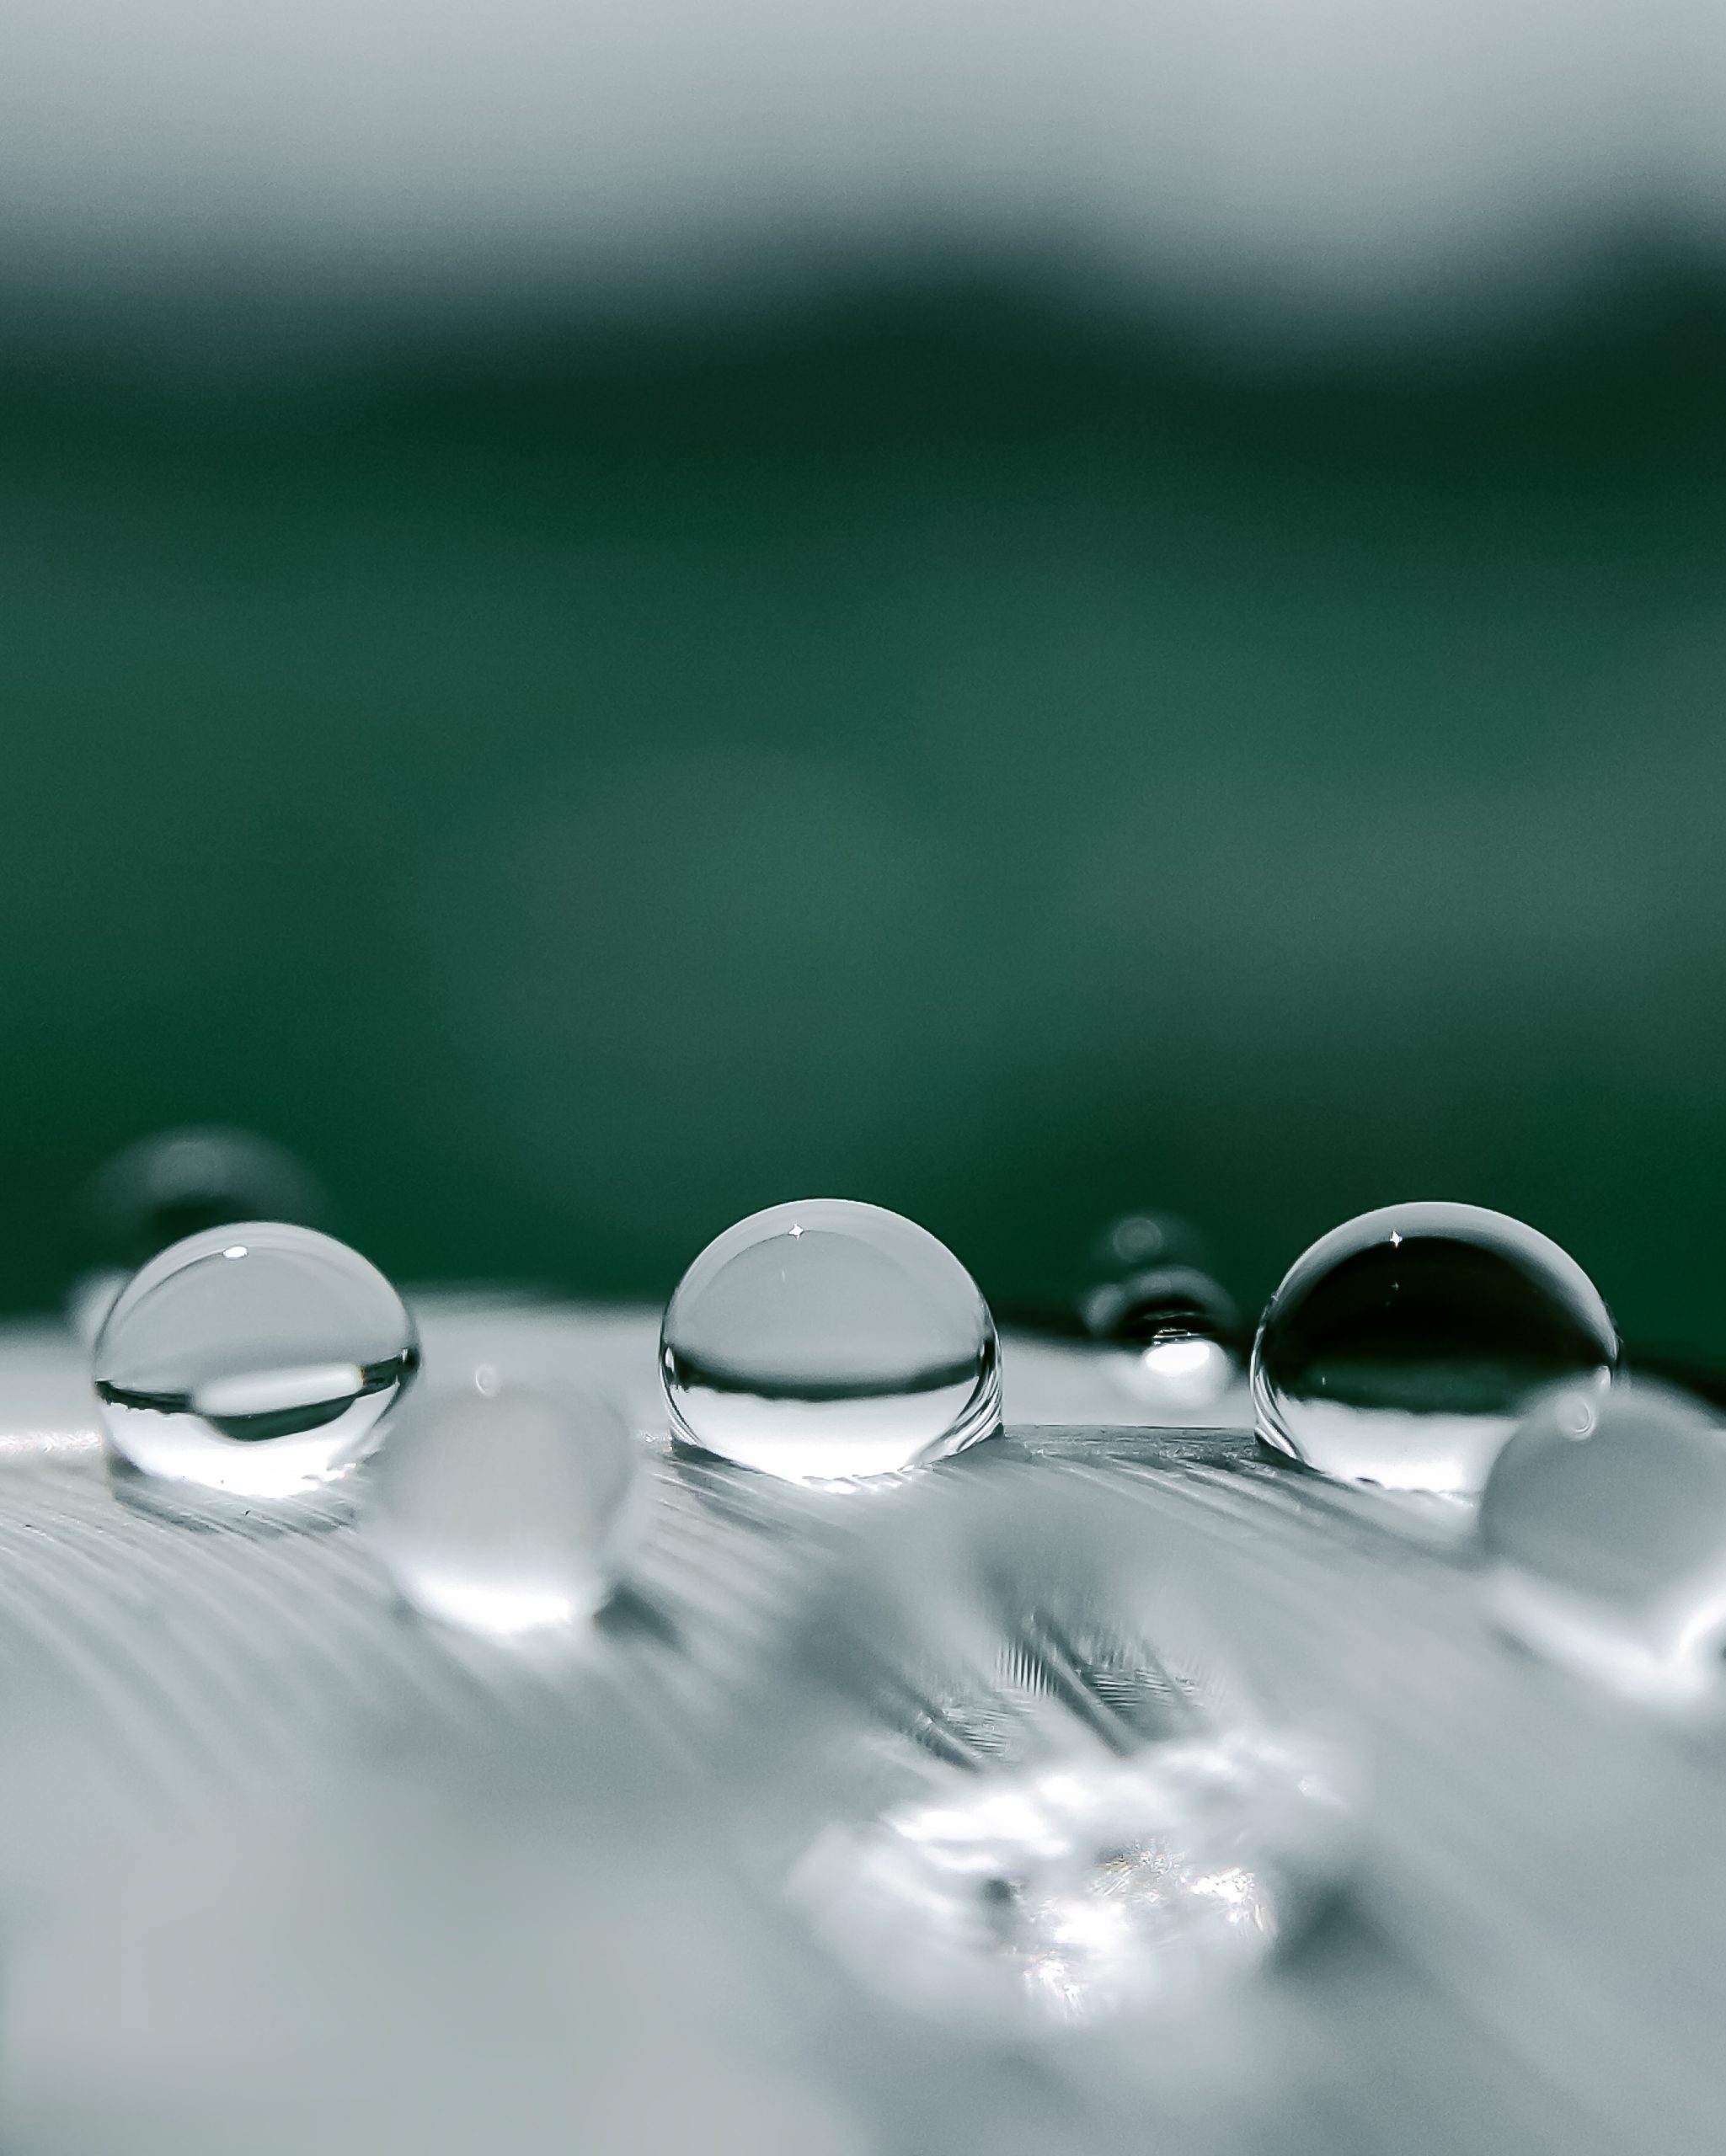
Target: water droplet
{"type": "Point", "coordinates": [169, 1186]}
{"type": "Point", "coordinates": [1604, 1522]}
{"type": "Point", "coordinates": [1178, 1372]}
{"type": "Point", "coordinates": [829, 1340]}
{"type": "Point", "coordinates": [1065, 1896]}
{"type": "Point", "coordinates": [1404, 1347]}
{"type": "Point", "coordinates": [178, 1182]}
{"type": "Point", "coordinates": [1171, 1332]}
{"type": "Point", "coordinates": [1138, 1240]}
{"type": "Point", "coordinates": [256, 1359]}
{"type": "Point", "coordinates": [506, 1508]}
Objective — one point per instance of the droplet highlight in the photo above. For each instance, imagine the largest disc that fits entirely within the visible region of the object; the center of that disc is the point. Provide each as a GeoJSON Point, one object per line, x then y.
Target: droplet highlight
{"type": "Point", "coordinates": [827, 1340]}
{"type": "Point", "coordinates": [257, 1359]}
{"type": "Point", "coordinates": [504, 1509]}
{"type": "Point", "coordinates": [1603, 1525]}
{"type": "Point", "coordinates": [1405, 1346]}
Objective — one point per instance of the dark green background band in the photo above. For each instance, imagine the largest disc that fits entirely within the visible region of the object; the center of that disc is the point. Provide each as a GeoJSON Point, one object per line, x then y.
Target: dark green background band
{"type": "Point", "coordinates": [578, 786]}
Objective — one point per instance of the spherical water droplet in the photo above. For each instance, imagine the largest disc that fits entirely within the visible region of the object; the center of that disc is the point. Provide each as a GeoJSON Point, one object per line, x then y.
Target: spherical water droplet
{"type": "Point", "coordinates": [1066, 1897]}
{"type": "Point", "coordinates": [1170, 1331]}
{"type": "Point", "coordinates": [1405, 1345]}
{"type": "Point", "coordinates": [256, 1358]}
{"type": "Point", "coordinates": [1604, 1522]}
{"type": "Point", "coordinates": [828, 1340]}
{"type": "Point", "coordinates": [504, 1508]}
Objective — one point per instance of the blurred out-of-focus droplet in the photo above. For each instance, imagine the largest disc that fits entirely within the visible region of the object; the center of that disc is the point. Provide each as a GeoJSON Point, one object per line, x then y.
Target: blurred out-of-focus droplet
{"type": "Point", "coordinates": [1169, 1329]}
{"type": "Point", "coordinates": [170, 1185]}
{"type": "Point", "coordinates": [1603, 1525]}
{"type": "Point", "coordinates": [505, 1509]}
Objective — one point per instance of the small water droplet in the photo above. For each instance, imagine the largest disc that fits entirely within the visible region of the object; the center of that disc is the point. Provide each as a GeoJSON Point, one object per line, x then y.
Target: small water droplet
{"type": "Point", "coordinates": [1137, 1241]}
{"type": "Point", "coordinates": [258, 1363]}
{"type": "Point", "coordinates": [1041, 1902]}
{"type": "Point", "coordinates": [1577, 1417]}
{"type": "Point", "coordinates": [1609, 1554]}
{"type": "Point", "coordinates": [506, 1509]}
{"type": "Point", "coordinates": [1179, 1371]}
{"type": "Point", "coordinates": [174, 1184]}
{"type": "Point", "coordinates": [1403, 1346]}
{"type": "Point", "coordinates": [829, 1340]}
{"type": "Point", "coordinates": [177, 1183]}
{"type": "Point", "coordinates": [1172, 1331]}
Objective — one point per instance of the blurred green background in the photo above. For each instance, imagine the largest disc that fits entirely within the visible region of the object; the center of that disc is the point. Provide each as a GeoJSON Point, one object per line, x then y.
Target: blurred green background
{"type": "Point", "coordinates": [578, 781]}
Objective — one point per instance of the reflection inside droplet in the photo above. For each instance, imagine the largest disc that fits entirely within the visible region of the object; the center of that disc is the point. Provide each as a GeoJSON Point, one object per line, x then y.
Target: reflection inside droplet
{"type": "Point", "coordinates": [1096, 1887]}
{"type": "Point", "coordinates": [1604, 1523]}
{"type": "Point", "coordinates": [1403, 1346]}
{"type": "Point", "coordinates": [829, 1340]}
{"type": "Point", "coordinates": [259, 1363]}
{"type": "Point", "coordinates": [506, 1509]}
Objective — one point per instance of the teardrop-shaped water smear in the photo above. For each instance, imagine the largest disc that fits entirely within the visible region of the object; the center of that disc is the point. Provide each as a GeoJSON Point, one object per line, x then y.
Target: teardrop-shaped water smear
{"type": "Point", "coordinates": [1404, 1347]}
{"type": "Point", "coordinates": [1034, 1903]}
{"type": "Point", "coordinates": [257, 1360]}
{"type": "Point", "coordinates": [1012, 1774]}
{"type": "Point", "coordinates": [506, 1509]}
{"type": "Point", "coordinates": [1604, 1524]}
{"type": "Point", "coordinates": [826, 1340]}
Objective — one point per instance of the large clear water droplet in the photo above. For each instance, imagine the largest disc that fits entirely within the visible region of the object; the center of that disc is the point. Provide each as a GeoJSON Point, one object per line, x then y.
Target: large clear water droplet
{"type": "Point", "coordinates": [506, 1509]}
{"type": "Point", "coordinates": [829, 1340]}
{"type": "Point", "coordinates": [1404, 1347]}
{"type": "Point", "coordinates": [257, 1359]}
{"type": "Point", "coordinates": [1170, 1330]}
{"type": "Point", "coordinates": [1066, 1897]}
{"type": "Point", "coordinates": [1604, 1523]}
